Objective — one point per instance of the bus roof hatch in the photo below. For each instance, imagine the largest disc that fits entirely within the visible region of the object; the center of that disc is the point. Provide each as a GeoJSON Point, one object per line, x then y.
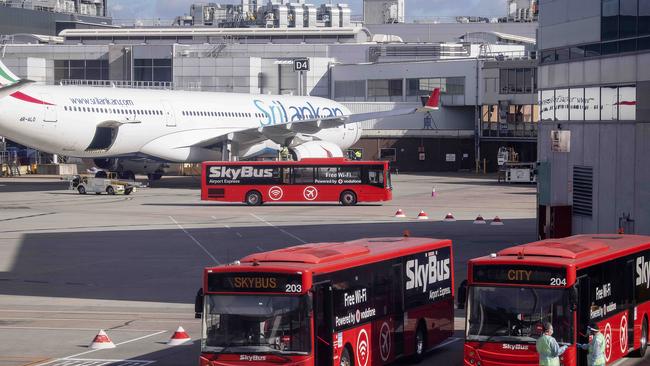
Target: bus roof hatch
{"type": "Point", "coordinates": [310, 253]}
{"type": "Point", "coordinates": [572, 248]}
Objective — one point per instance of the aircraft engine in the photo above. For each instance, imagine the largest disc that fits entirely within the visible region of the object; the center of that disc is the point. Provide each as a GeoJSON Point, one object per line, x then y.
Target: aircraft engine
{"type": "Point", "coordinates": [316, 149]}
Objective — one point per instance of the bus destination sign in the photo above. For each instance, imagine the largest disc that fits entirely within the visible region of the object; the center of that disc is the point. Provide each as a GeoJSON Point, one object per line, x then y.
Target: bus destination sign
{"type": "Point", "coordinates": [530, 275]}
{"type": "Point", "coordinates": [254, 282]}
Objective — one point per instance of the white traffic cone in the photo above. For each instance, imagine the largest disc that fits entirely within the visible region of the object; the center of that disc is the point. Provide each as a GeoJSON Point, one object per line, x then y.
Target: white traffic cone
{"type": "Point", "coordinates": [102, 341]}
{"type": "Point", "coordinates": [179, 337]}
{"type": "Point", "coordinates": [423, 216]}
{"type": "Point", "coordinates": [449, 218]}
{"type": "Point", "coordinates": [496, 221]}
{"type": "Point", "coordinates": [399, 213]}
{"type": "Point", "coordinates": [480, 220]}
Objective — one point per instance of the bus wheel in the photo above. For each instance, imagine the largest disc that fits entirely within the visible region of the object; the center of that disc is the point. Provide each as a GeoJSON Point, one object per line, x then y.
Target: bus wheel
{"type": "Point", "coordinates": [346, 358]}
{"type": "Point", "coordinates": [110, 190]}
{"type": "Point", "coordinates": [348, 198]}
{"type": "Point", "coordinates": [81, 190]}
{"type": "Point", "coordinates": [253, 198]}
{"type": "Point", "coordinates": [420, 344]}
{"type": "Point", "coordinates": [644, 339]}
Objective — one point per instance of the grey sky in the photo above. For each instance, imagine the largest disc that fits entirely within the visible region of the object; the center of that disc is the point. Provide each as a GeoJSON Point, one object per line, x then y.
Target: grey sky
{"type": "Point", "coordinates": [168, 9]}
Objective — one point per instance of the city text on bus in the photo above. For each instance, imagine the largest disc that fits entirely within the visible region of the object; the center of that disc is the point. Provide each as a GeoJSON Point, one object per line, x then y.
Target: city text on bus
{"type": "Point", "coordinates": [568, 282]}
{"type": "Point", "coordinates": [307, 180]}
{"type": "Point", "coordinates": [358, 303]}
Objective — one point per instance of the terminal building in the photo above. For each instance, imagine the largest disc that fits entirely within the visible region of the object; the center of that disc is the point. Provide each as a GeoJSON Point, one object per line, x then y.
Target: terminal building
{"type": "Point", "coordinates": [595, 117]}
{"type": "Point", "coordinates": [49, 17]}
{"type": "Point", "coordinates": [369, 68]}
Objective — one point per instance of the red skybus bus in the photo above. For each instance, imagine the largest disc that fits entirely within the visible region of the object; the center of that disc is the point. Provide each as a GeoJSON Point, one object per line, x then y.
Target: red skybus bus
{"type": "Point", "coordinates": [568, 282]}
{"type": "Point", "coordinates": [307, 180]}
{"type": "Point", "coordinates": [358, 303]}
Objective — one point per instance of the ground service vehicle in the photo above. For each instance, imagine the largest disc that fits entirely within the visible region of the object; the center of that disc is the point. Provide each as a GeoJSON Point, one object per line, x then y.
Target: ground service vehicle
{"type": "Point", "coordinates": [98, 185]}
{"type": "Point", "coordinates": [359, 303]}
{"type": "Point", "coordinates": [568, 282]}
{"type": "Point", "coordinates": [307, 180]}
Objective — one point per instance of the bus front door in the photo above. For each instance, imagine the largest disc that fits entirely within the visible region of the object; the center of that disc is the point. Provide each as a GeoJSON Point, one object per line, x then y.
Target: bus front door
{"type": "Point", "coordinates": [583, 316]}
{"type": "Point", "coordinates": [398, 308]}
{"type": "Point", "coordinates": [323, 322]}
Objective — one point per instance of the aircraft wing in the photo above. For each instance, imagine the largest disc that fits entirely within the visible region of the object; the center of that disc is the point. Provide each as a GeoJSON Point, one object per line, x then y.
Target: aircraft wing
{"type": "Point", "coordinates": [279, 133]}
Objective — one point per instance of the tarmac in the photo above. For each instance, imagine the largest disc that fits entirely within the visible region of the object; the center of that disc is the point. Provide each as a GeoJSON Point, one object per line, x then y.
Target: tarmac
{"type": "Point", "coordinates": [72, 264]}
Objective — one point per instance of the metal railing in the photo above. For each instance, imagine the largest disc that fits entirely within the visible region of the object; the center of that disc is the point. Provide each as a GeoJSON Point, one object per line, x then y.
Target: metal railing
{"type": "Point", "coordinates": [119, 83]}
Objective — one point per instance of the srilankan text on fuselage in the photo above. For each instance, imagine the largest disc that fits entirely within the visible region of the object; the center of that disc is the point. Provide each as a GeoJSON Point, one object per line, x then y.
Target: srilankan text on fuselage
{"type": "Point", "coordinates": [277, 113]}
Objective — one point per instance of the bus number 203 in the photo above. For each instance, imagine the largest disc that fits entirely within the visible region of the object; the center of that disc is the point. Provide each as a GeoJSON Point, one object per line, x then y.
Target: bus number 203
{"type": "Point", "coordinates": [292, 288]}
{"type": "Point", "coordinates": [558, 281]}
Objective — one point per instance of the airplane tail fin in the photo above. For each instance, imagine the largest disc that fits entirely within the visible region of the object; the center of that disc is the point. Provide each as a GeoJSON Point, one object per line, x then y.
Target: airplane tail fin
{"type": "Point", "coordinates": [6, 76]}
{"type": "Point", "coordinates": [9, 82]}
{"type": "Point", "coordinates": [433, 103]}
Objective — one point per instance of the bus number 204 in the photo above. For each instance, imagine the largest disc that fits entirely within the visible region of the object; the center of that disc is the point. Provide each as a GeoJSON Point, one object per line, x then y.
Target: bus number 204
{"type": "Point", "coordinates": [558, 281]}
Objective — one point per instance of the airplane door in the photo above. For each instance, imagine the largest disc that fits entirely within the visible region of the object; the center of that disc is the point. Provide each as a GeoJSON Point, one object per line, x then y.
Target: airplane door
{"type": "Point", "coordinates": [49, 111]}
{"type": "Point", "coordinates": [168, 114]}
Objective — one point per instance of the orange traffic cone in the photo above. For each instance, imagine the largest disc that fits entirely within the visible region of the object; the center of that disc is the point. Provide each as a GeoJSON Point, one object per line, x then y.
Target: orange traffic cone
{"type": "Point", "coordinates": [496, 221]}
{"type": "Point", "coordinates": [179, 337]}
{"type": "Point", "coordinates": [479, 220]}
{"type": "Point", "coordinates": [449, 218]}
{"type": "Point", "coordinates": [101, 341]}
{"type": "Point", "coordinates": [399, 213]}
{"type": "Point", "coordinates": [423, 216]}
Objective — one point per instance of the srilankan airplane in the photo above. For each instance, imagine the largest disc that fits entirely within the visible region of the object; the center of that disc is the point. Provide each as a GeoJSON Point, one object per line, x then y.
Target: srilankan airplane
{"type": "Point", "coordinates": [115, 126]}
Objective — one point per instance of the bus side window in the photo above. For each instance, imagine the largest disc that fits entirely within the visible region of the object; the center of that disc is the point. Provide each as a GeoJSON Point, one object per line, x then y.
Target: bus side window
{"type": "Point", "coordinates": [376, 176]}
{"type": "Point", "coordinates": [303, 175]}
{"type": "Point", "coordinates": [286, 175]}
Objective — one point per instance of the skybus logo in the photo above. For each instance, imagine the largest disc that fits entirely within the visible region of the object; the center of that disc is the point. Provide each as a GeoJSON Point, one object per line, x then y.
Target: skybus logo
{"type": "Point", "coordinates": [427, 273]}
{"type": "Point", "coordinates": [243, 172]}
{"type": "Point", "coordinates": [642, 272]}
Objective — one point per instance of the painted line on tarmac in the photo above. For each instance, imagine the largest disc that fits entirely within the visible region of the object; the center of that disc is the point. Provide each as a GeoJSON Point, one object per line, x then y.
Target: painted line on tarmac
{"type": "Point", "coordinates": [279, 228]}
{"type": "Point", "coordinates": [118, 344]}
{"type": "Point", "coordinates": [10, 318]}
{"type": "Point", "coordinates": [96, 362]}
{"type": "Point", "coordinates": [27, 216]}
{"type": "Point", "coordinates": [448, 342]}
{"type": "Point", "coordinates": [195, 241]}
{"type": "Point", "coordinates": [89, 312]}
{"type": "Point", "coordinates": [228, 227]}
{"type": "Point", "coordinates": [81, 329]}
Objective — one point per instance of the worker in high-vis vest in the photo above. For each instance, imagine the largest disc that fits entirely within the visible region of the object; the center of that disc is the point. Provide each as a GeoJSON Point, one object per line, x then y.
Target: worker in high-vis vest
{"type": "Point", "coordinates": [548, 349]}
{"type": "Point", "coordinates": [596, 346]}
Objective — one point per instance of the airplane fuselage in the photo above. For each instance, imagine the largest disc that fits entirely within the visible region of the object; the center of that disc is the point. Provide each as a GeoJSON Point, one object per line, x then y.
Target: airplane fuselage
{"type": "Point", "coordinates": [92, 122]}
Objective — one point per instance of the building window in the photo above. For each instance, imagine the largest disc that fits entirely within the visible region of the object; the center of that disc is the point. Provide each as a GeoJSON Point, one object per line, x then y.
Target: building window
{"type": "Point", "coordinates": [609, 20]}
{"type": "Point", "coordinates": [576, 104]}
{"type": "Point", "coordinates": [627, 103]}
{"type": "Point", "coordinates": [385, 90]}
{"type": "Point", "coordinates": [644, 18]}
{"type": "Point", "coordinates": [547, 105]}
{"type": "Point", "coordinates": [350, 90]}
{"type": "Point", "coordinates": [80, 70]}
{"type": "Point", "coordinates": [609, 103]}
{"type": "Point", "coordinates": [517, 81]}
{"type": "Point", "coordinates": [152, 69]}
{"type": "Point", "coordinates": [389, 154]}
{"type": "Point", "coordinates": [592, 104]}
{"type": "Point", "coordinates": [562, 105]}
{"type": "Point", "coordinates": [628, 18]}
{"type": "Point", "coordinates": [423, 87]}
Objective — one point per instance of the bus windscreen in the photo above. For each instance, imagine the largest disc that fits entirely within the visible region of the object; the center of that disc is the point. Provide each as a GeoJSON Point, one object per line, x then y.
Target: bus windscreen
{"type": "Point", "coordinates": [256, 324]}
{"type": "Point", "coordinates": [517, 314]}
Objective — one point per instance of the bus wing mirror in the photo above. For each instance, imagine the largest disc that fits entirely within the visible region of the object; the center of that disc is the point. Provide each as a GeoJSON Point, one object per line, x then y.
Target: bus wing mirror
{"type": "Point", "coordinates": [573, 300]}
{"type": "Point", "coordinates": [461, 296]}
{"type": "Point", "coordinates": [198, 304]}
